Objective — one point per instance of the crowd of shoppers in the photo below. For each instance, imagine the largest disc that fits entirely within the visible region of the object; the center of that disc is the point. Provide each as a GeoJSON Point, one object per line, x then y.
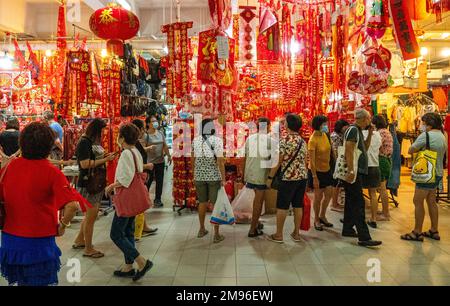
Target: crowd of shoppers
{"type": "Point", "coordinates": [34, 190]}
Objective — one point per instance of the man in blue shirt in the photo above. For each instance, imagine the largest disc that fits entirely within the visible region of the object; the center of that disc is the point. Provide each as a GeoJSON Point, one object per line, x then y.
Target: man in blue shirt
{"type": "Point", "coordinates": [49, 117]}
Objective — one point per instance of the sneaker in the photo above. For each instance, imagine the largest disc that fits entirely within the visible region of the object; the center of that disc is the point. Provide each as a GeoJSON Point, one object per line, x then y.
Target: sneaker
{"type": "Point", "coordinates": [369, 243]}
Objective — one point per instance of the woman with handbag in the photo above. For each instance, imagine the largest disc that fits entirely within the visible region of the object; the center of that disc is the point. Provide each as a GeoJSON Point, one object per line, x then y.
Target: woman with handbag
{"type": "Point", "coordinates": [33, 191]}
{"type": "Point", "coordinates": [290, 177]}
{"type": "Point", "coordinates": [434, 140]}
{"type": "Point", "coordinates": [91, 182]}
{"type": "Point", "coordinates": [129, 179]}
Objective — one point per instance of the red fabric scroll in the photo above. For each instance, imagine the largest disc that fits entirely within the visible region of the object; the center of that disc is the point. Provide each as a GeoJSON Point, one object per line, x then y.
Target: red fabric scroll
{"type": "Point", "coordinates": [404, 32]}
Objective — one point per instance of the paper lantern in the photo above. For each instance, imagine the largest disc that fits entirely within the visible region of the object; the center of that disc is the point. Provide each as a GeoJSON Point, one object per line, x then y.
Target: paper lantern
{"type": "Point", "coordinates": [115, 24]}
{"type": "Point", "coordinates": [417, 9]}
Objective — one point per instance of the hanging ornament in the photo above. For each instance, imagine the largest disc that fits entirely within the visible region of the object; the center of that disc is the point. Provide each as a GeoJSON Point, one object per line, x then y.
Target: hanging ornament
{"type": "Point", "coordinates": [404, 32]}
{"type": "Point", "coordinates": [375, 26]}
{"type": "Point", "coordinates": [115, 24]}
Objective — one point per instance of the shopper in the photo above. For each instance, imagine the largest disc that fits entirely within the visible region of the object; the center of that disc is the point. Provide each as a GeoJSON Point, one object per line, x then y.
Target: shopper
{"type": "Point", "coordinates": [291, 191]}
{"type": "Point", "coordinates": [337, 140]}
{"type": "Point", "coordinates": [354, 211]}
{"type": "Point", "coordinates": [372, 180]}
{"type": "Point", "coordinates": [58, 148]}
{"type": "Point", "coordinates": [209, 173]}
{"type": "Point", "coordinates": [431, 126]}
{"type": "Point", "coordinates": [9, 140]}
{"type": "Point", "coordinates": [33, 192]}
{"type": "Point", "coordinates": [142, 227]}
{"type": "Point", "coordinates": [386, 150]}
{"type": "Point", "coordinates": [157, 150]}
{"type": "Point", "coordinates": [90, 154]}
{"type": "Point", "coordinates": [122, 229]}
{"type": "Point", "coordinates": [258, 148]}
{"type": "Point", "coordinates": [320, 157]}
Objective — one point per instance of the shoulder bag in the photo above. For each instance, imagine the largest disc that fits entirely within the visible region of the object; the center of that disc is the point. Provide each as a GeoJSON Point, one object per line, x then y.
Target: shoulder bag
{"type": "Point", "coordinates": [341, 168]}
{"type": "Point", "coordinates": [280, 173]}
{"type": "Point", "coordinates": [134, 200]}
{"type": "Point", "coordinates": [424, 167]}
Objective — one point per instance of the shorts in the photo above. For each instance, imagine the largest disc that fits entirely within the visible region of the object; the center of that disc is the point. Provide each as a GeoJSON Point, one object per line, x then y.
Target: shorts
{"type": "Point", "coordinates": [385, 168]}
{"type": "Point", "coordinates": [94, 199]}
{"type": "Point", "coordinates": [372, 179]}
{"type": "Point", "coordinates": [256, 186]}
{"type": "Point", "coordinates": [207, 191]}
{"type": "Point", "coordinates": [431, 186]}
{"type": "Point", "coordinates": [325, 180]}
{"type": "Point", "coordinates": [291, 192]}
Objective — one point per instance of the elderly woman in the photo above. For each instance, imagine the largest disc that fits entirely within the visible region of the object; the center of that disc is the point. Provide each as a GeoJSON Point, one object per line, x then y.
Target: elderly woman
{"type": "Point", "coordinates": [33, 192]}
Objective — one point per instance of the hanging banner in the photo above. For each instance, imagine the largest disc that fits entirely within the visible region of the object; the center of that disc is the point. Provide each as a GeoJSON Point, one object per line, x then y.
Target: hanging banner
{"type": "Point", "coordinates": [404, 32]}
{"type": "Point", "coordinates": [206, 56]}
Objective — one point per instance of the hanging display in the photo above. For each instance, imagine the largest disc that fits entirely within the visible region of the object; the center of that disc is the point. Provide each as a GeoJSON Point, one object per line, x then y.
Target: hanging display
{"type": "Point", "coordinates": [404, 32]}
{"type": "Point", "coordinates": [115, 24]}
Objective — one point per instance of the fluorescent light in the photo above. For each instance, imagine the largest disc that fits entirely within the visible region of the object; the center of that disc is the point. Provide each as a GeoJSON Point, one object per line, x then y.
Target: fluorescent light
{"type": "Point", "coordinates": [445, 35]}
{"type": "Point", "coordinates": [423, 51]}
{"type": "Point", "coordinates": [124, 4]}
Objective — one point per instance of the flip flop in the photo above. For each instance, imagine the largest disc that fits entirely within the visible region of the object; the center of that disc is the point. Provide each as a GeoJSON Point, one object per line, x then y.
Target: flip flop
{"type": "Point", "coordinates": [94, 255]}
{"type": "Point", "coordinates": [271, 238]}
{"type": "Point", "coordinates": [78, 247]}
{"type": "Point", "coordinates": [151, 231]}
{"type": "Point", "coordinates": [296, 240]}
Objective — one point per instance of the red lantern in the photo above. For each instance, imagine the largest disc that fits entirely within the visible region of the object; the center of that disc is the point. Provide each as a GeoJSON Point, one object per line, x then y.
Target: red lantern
{"type": "Point", "coordinates": [114, 24]}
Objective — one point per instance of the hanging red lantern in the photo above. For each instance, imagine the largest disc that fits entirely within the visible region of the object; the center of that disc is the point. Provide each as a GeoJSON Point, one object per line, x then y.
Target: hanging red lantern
{"type": "Point", "coordinates": [115, 24]}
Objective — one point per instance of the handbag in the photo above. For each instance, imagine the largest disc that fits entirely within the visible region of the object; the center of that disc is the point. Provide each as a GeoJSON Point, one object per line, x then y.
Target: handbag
{"type": "Point", "coordinates": [134, 200]}
{"type": "Point", "coordinates": [2, 198]}
{"type": "Point", "coordinates": [280, 173]}
{"type": "Point", "coordinates": [424, 166]}
{"type": "Point", "coordinates": [341, 168]}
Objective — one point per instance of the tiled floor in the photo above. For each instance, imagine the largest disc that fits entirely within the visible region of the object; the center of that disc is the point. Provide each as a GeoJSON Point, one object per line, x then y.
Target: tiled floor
{"type": "Point", "coordinates": [321, 259]}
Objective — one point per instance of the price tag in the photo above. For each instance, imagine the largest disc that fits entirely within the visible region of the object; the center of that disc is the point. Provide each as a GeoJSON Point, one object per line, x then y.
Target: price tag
{"type": "Point", "coordinates": [223, 49]}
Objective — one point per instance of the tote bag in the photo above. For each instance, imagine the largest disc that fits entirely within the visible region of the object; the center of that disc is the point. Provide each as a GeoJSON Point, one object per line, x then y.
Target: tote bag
{"type": "Point", "coordinates": [424, 166]}
{"type": "Point", "coordinates": [341, 168]}
{"type": "Point", "coordinates": [134, 200]}
{"type": "Point", "coordinates": [223, 212]}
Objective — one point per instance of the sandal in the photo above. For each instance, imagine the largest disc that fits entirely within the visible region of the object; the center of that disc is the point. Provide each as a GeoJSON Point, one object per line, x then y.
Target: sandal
{"type": "Point", "coordinates": [325, 223]}
{"type": "Point", "coordinates": [151, 231]}
{"type": "Point", "coordinates": [295, 239]}
{"type": "Point", "coordinates": [78, 247]}
{"type": "Point", "coordinates": [318, 227]}
{"type": "Point", "coordinates": [202, 234]}
{"type": "Point", "coordinates": [255, 234]}
{"type": "Point", "coordinates": [94, 255]}
{"type": "Point", "coordinates": [260, 226]}
{"type": "Point", "coordinates": [273, 239]}
{"type": "Point", "coordinates": [432, 235]}
{"type": "Point", "coordinates": [412, 237]}
{"type": "Point", "coordinates": [218, 238]}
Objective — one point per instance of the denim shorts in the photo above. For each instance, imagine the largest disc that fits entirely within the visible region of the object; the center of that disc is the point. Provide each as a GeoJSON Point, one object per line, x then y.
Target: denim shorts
{"type": "Point", "coordinates": [431, 186]}
{"type": "Point", "coordinates": [256, 186]}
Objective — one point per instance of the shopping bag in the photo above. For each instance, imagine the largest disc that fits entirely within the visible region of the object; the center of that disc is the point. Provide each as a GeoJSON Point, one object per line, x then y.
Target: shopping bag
{"type": "Point", "coordinates": [306, 220]}
{"type": "Point", "coordinates": [424, 167]}
{"type": "Point", "coordinates": [341, 168]}
{"type": "Point", "coordinates": [223, 212]}
{"type": "Point", "coordinates": [243, 205]}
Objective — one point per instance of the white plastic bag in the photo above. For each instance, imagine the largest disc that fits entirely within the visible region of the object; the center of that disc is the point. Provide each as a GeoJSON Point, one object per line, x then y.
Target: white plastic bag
{"type": "Point", "coordinates": [223, 212]}
{"type": "Point", "coordinates": [243, 205]}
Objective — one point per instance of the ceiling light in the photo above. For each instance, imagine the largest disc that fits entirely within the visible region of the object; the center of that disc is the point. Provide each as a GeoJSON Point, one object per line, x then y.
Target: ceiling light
{"type": "Point", "coordinates": [445, 35]}
{"type": "Point", "coordinates": [424, 51]}
{"type": "Point", "coordinates": [446, 53]}
{"type": "Point", "coordinates": [48, 53]}
{"type": "Point", "coordinates": [104, 53]}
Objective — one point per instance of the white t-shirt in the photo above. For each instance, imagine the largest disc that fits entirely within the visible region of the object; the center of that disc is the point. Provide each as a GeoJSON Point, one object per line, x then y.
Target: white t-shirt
{"type": "Point", "coordinates": [126, 168]}
{"type": "Point", "coordinates": [373, 152]}
{"type": "Point", "coordinates": [259, 149]}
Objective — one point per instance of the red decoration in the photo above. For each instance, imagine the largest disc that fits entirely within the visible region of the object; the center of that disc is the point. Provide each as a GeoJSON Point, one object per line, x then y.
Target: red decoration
{"type": "Point", "coordinates": [404, 32]}
{"type": "Point", "coordinates": [114, 24]}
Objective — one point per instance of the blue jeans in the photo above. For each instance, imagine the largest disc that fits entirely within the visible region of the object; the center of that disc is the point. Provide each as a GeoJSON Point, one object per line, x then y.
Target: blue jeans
{"type": "Point", "coordinates": [122, 234]}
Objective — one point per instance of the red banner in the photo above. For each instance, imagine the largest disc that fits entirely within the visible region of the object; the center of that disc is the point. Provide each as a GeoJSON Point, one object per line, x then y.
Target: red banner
{"type": "Point", "coordinates": [404, 32]}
